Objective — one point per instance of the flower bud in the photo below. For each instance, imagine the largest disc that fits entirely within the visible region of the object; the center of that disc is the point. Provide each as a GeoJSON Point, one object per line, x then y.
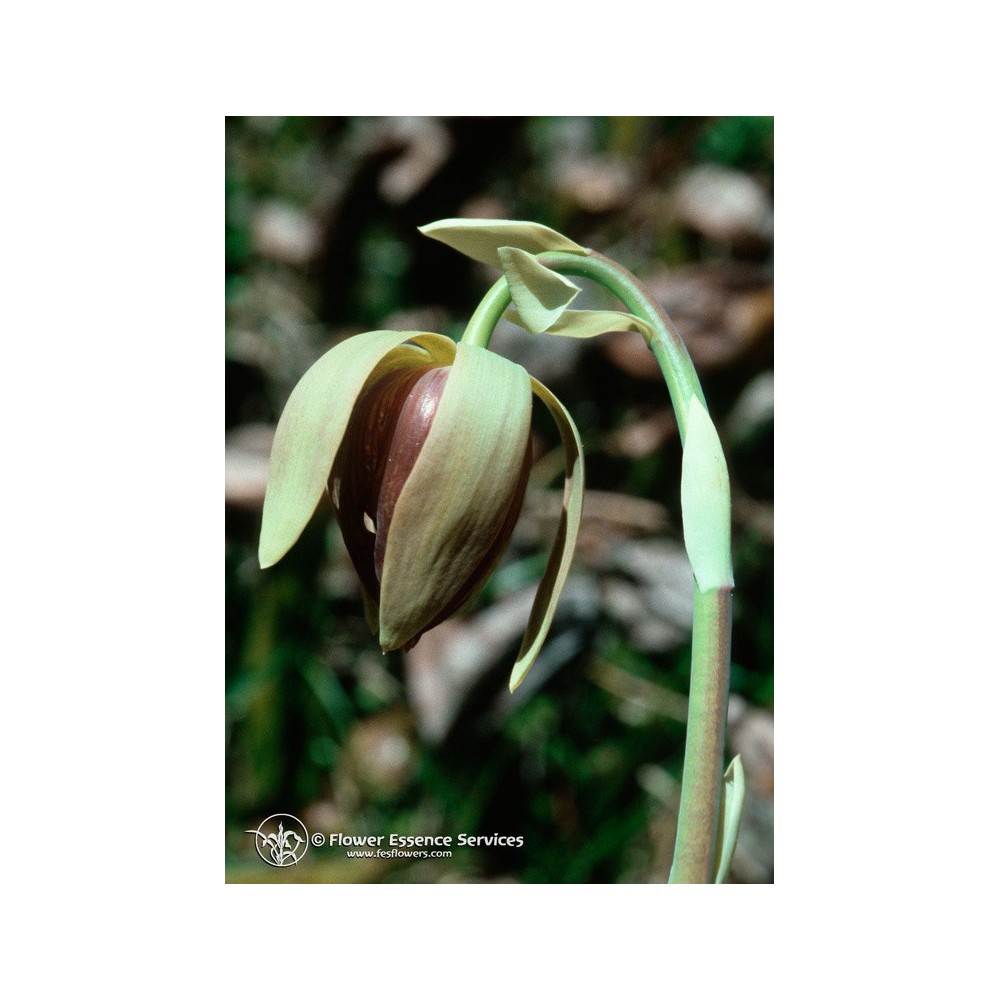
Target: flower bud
{"type": "Point", "coordinates": [424, 448]}
{"type": "Point", "coordinates": [383, 442]}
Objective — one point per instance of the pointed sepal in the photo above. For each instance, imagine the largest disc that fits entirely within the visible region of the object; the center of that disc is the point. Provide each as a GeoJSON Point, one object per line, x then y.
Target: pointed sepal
{"type": "Point", "coordinates": [481, 238]}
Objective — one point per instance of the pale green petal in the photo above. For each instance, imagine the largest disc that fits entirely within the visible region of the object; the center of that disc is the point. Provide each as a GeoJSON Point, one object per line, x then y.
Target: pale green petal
{"type": "Point", "coordinates": [583, 323]}
{"type": "Point", "coordinates": [705, 501]}
{"type": "Point", "coordinates": [539, 293]}
{"type": "Point", "coordinates": [312, 426]}
{"type": "Point", "coordinates": [481, 238]}
{"type": "Point", "coordinates": [733, 792]}
{"type": "Point", "coordinates": [554, 578]}
{"type": "Point", "coordinates": [445, 519]}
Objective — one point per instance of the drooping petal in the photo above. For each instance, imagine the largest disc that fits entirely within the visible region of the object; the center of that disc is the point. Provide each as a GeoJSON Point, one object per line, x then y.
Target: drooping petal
{"type": "Point", "coordinates": [458, 495]}
{"type": "Point", "coordinates": [480, 238]}
{"type": "Point", "coordinates": [705, 505]}
{"type": "Point", "coordinates": [557, 569]}
{"type": "Point", "coordinates": [481, 575]}
{"type": "Point", "coordinates": [583, 323]}
{"type": "Point", "coordinates": [539, 293]}
{"type": "Point", "coordinates": [312, 426]}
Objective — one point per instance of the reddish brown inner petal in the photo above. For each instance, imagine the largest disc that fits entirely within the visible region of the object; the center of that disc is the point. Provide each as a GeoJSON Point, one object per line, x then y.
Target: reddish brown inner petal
{"type": "Point", "coordinates": [361, 463]}
{"type": "Point", "coordinates": [412, 428]}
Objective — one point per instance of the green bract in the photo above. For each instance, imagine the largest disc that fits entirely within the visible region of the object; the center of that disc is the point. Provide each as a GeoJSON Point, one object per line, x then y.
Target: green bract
{"type": "Point", "coordinates": [705, 505]}
{"type": "Point", "coordinates": [424, 446]}
{"type": "Point", "coordinates": [733, 794]}
{"type": "Point", "coordinates": [585, 323]}
{"type": "Point", "coordinates": [540, 294]}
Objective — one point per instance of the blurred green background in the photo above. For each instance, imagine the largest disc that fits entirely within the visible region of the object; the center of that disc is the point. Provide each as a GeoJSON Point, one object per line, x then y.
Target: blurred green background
{"type": "Point", "coordinates": [584, 761]}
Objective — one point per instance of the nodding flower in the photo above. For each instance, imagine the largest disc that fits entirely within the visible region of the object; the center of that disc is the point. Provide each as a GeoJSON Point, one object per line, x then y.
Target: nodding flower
{"type": "Point", "coordinates": [424, 448]}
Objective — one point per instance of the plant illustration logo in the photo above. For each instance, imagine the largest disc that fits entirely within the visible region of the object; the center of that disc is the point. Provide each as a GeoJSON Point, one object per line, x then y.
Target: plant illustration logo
{"type": "Point", "coordinates": [281, 840]}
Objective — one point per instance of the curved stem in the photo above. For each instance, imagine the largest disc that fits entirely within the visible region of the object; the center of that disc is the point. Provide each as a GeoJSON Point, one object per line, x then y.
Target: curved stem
{"type": "Point", "coordinates": [701, 784]}
{"type": "Point", "coordinates": [666, 344]}
{"type": "Point", "coordinates": [487, 315]}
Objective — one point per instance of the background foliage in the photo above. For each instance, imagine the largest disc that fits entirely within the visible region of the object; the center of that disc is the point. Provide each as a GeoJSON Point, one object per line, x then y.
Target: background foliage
{"type": "Point", "coordinates": [322, 243]}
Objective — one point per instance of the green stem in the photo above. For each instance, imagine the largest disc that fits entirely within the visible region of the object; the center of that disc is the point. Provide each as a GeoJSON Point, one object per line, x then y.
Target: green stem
{"type": "Point", "coordinates": [701, 786]}
{"type": "Point", "coordinates": [701, 783]}
{"type": "Point", "coordinates": [666, 344]}
{"type": "Point", "coordinates": [487, 315]}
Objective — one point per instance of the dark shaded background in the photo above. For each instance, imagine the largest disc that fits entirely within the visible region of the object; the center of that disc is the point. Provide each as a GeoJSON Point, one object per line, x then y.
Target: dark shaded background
{"type": "Point", "coordinates": [584, 761]}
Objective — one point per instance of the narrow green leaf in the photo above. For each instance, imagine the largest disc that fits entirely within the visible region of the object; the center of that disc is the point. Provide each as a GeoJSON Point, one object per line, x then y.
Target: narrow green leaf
{"type": "Point", "coordinates": [557, 569]}
{"type": "Point", "coordinates": [705, 501]}
{"type": "Point", "coordinates": [312, 426]}
{"type": "Point", "coordinates": [539, 293]}
{"type": "Point", "coordinates": [733, 793]}
{"type": "Point", "coordinates": [481, 238]}
{"type": "Point", "coordinates": [583, 323]}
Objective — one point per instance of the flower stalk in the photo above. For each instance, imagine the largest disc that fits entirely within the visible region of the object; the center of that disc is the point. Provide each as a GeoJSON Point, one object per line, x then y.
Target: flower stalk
{"type": "Point", "coordinates": [698, 823]}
